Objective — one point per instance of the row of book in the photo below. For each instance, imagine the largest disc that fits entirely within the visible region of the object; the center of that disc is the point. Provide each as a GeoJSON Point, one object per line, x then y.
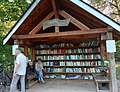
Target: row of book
{"type": "Point", "coordinates": [85, 77]}
{"type": "Point", "coordinates": [70, 63]}
{"type": "Point", "coordinates": [65, 51]}
{"type": "Point", "coordinates": [92, 43]}
{"type": "Point", "coordinates": [82, 70]}
{"type": "Point", "coordinates": [52, 76]}
{"type": "Point", "coordinates": [54, 46]}
{"type": "Point", "coordinates": [72, 70]}
{"type": "Point", "coordinates": [85, 63]}
{"type": "Point", "coordinates": [54, 70]}
{"type": "Point", "coordinates": [70, 57]}
{"type": "Point", "coordinates": [83, 50]}
{"type": "Point", "coordinates": [42, 46]}
{"type": "Point", "coordinates": [62, 45]}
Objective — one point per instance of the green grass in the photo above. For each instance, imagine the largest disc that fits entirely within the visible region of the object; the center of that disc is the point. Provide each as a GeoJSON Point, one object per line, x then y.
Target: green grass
{"type": "Point", "coordinates": [118, 70]}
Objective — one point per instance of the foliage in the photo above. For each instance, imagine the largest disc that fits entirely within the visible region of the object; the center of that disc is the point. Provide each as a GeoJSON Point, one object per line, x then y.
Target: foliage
{"type": "Point", "coordinates": [117, 54]}
{"type": "Point", "coordinates": [118, 70]}
{"type": "Point", "coordinates": [112, 9]}
{"type": "Point", "coordinates": [5, 50]}
{"type": "Point", "coordinates": [10, 12]}
{"type": "Point", "coordinates": [109, 7]}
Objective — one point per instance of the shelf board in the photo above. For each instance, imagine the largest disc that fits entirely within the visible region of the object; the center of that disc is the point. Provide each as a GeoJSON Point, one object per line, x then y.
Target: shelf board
{"type": "Point", "coordinates": [54, 66]}
{"type": "Point", "coordinates": [54, 72]}
{"type": "Point", "coordinates": [67, 73]}
{"type": "Point", "coordinates": [72, 60]}
{"type": "Point", "coordinates": [67, 54]}
{"type": "Point", "coordinates": [84, 66]}
{"type": "Point", "coordinates": [75, 47]}
{"type": "Point", "coordinates": [79, 73]}
{"type": "Point", "coordinates": [72, 66]}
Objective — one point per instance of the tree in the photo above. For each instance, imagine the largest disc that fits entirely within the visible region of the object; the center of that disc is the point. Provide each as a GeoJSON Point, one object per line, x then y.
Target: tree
{"type": "Point", "coordinates": [117, 54]}
{"type": "Point", "coordinates": [109, 7]}
{"type": "Point", "coordinates": [112, 9]}
{"type": "Point", "coordinates": [10, 11]}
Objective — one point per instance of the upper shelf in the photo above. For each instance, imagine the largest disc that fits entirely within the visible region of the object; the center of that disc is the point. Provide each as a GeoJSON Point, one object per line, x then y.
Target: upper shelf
{"type": "Point", "coordinates": [75, 47]}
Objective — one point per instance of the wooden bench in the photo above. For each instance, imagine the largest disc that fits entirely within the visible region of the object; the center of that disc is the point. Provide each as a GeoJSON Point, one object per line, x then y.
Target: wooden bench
{"type": "Point", "coordinates": [32, 79]}
{"type": "Point", "coordinates": [102, 83]}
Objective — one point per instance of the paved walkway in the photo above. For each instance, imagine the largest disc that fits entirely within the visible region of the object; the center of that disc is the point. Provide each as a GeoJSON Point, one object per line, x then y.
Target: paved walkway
{"type": "Point", "coordinates": [64, 86]}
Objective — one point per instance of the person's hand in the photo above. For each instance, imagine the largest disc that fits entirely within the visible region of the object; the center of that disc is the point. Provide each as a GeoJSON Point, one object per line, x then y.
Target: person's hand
{"type": "Point", "coordinates": [14, 75]}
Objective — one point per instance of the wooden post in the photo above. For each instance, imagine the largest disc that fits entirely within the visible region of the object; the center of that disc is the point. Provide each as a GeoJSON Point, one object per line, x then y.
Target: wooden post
{"type": "Point", "coordinates": [103, 47]}
{"type": "Point", "coordinates": [101, 50]}
{"type": "Point", "coordinates": [26, 50]}
{"type": "Point", "coordinates": [33, 53]}
{"type": "Point", "coordinates": [55, 9]}
{"type": "Point", "coordinates": [111, 58]}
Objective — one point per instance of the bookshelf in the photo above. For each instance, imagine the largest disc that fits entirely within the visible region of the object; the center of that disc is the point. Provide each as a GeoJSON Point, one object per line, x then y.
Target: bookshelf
{"type": "Point", "coordinates": [68, 61]}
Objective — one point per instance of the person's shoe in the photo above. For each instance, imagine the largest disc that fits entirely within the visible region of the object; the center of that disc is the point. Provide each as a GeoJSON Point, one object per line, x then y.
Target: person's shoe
{"type": "Point", "coordinates": [38, 81]}
{"type": "Point", "coordinates": [26, 87]}
{"type": "Point", "coordinates": [19, 90]}
{"type": "Point", "coordinates": [43, 82]}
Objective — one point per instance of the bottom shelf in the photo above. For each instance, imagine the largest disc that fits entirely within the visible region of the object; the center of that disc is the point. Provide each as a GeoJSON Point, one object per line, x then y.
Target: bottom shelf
{"type": "Point", "coordinates": [63, 76]}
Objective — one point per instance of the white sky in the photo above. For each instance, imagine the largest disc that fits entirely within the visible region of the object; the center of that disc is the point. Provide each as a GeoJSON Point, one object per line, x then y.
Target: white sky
{"type": "Point", "coordinates": [10, 0]}
{"type": "Point", "coordinates": [85, 0]}
{"type": "Point", "coordinates": [27, 1]}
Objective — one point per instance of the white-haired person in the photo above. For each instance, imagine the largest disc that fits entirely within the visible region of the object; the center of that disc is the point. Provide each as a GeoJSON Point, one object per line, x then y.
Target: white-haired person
{"type": "Point", "coordinates": [19, 71]}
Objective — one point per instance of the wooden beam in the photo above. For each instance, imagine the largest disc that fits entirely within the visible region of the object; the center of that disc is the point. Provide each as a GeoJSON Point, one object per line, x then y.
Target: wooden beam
{"type": "Point", "coordinates": [55, 8]}
{"type": "Point", "coordinates": [73, 20]}
{"type": "Point", "coordinates": [39, 26]}
{"type": "Point", "coordinates": [57, 29]}
{"type": "Point", "coordinates": [111, 59]}
{"type": "Point", "coordinates": [60, 34]}
{"type": "Point", "coordinates": [116, 34]}
{"type": "Point", "coordinates": [56, 13]}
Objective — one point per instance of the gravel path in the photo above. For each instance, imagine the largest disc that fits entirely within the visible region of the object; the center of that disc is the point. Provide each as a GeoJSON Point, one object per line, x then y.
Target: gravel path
{"type": "Point", "coordinates": [66, 86]}
{"type": "Point", "coordinates": [118, 85]}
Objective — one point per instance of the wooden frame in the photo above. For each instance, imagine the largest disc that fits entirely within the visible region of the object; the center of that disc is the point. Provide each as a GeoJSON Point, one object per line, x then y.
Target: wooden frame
{"type": "Point", "coordinates": [72, 33]}
{"type": "Point", "coordinates": [55, 9]}
{"type": "Point", "coordinates": [73, 20]}
{"type": "Point", "coordinates": [111, 58]}
{"type": "Point", "coordinates": [39, 26]}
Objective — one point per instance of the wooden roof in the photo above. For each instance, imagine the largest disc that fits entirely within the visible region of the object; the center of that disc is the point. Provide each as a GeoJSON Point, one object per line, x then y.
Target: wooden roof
{"type": "Point", "coordinates": [81, 19]}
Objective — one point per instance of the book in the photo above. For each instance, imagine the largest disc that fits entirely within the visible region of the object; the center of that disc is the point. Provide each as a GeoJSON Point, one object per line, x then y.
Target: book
{"type": "Point", "coordinates": [62, 58]}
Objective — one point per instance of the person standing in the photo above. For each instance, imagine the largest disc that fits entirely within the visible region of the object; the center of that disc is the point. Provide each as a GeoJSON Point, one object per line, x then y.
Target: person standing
{"type": "Point", "coordinates": [26, 80]}
{"type": "Point", "coordinates": [39, 70]}
{"type": "Point", "coordinates": [19, 71]}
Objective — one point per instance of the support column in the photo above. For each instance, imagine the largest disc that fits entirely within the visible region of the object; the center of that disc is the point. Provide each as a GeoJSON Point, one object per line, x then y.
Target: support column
{"type": "Point", "coordinates": [55, 9]}
{"type": "Point", "coordinates": [111, 58]}
{"type": "Point", "coordinates": [103, 47]}
{"type": "Point", "coordinates": [26, 50]}
{"type": "Point", "coordinates": [33, 53]}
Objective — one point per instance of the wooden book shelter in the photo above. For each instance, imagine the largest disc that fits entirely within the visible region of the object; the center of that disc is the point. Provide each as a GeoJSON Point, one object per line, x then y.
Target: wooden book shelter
{"type": "Point", "coordinates": [46, 24]}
